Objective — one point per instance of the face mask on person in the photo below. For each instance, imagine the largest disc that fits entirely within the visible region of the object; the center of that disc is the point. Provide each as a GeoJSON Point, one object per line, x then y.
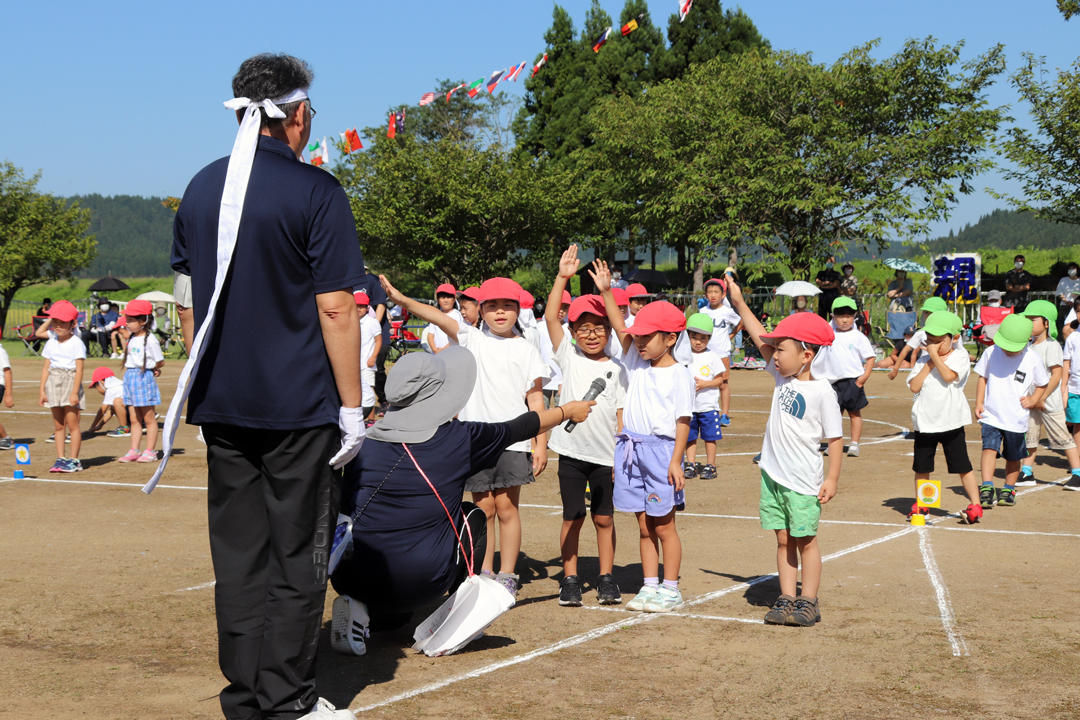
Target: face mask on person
{"type": "Point", "coordinates": [105, 308]}
{"type": "Point", "coordinates": [160, 312]}
{"type": "Point", "coordinates": [828, 266]}
{"type": "Point", "coordinates": [616, 275]}
{"type": "Point", "coordinates": [848, 271]}
{"type": "Point", "coordinates": [800, 303]}
{"type": "Point", "coordinates": [1072, 273]}
{"type": "Point", "coordinates": [993, 303]}
{"type": "Point", "coordinates": [1018, 265]}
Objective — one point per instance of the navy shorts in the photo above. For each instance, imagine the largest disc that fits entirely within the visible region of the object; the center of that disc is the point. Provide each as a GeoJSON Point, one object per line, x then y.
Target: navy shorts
{"type": "Point", "coordinates": [1010, 445]}
{"type": "Point", "coordinates": [851, 397]}
{"type": "Point", "coordinates": [707, 424]}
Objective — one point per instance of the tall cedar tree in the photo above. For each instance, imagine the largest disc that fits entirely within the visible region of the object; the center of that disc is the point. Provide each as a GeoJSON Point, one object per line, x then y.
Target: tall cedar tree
{"type": "Point", "coordinates": [708, 32]}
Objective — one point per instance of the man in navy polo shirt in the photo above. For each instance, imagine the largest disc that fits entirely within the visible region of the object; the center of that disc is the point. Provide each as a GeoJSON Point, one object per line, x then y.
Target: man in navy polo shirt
{"type": "Point", "coordinates": [279, 376]}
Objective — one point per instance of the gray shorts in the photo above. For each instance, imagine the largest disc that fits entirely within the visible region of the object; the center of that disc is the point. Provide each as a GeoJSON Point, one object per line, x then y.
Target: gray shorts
{"type": "Point", "coordinates": [513, 469]}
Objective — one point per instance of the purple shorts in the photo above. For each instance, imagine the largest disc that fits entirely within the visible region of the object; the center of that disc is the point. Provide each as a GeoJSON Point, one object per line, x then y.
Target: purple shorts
{"type": "Point", "coordinates": [641, 468]}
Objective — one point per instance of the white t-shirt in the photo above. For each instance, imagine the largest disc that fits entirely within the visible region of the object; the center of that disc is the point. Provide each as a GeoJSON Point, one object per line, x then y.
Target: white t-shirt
{"type": "Point", "coordinates": [5, 361]}
{"type": "Point", "coordinates": [802, 413]}
{"type": "Point", "coordinates": [63, 355]}
{"type": "Point", "coordinates": [656, 397]}
{"type": "Point", "coordinates": [434, 337]}
{"type": "Point", "coordinates": [1051, 354]}
{"type": "Point", "coordinates": [918, 340]}
{"type": "Point", "coordinates": [847, 355]}
{"type": "Point", "coordinates": [1070, 317]}
{"type": "Point", "coordinates": [594, 439]}
{"type": "Point", "coordinates": [506, 368]}
{"type": "Point", "coordinates": [1072, 354]}
{"type": "Point", "coordinates": [940, 406]}
{"type": "Point", "coordinates": [114, 388]}
{"type": "Point", "coordinates": [135, 351]}
{"type": "Point", "coordinates": [724, 320]}
{"type": "Point", "coordinates": [1008, 378]}
{"type": "Point", "coordinates": [369, 331]}
{"type": "Point", "coordinates": [548, 355]}
{"type": "Point", "coordinates": [706, 365]}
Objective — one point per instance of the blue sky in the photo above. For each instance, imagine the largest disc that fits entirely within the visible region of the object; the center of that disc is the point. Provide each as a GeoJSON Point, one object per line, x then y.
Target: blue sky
{"type": "Point", "coordinates": [125, 97]}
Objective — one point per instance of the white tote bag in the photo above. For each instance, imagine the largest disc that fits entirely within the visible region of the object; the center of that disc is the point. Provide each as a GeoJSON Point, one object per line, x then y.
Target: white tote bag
{"type": "Point", "coordinates": [477, 603]}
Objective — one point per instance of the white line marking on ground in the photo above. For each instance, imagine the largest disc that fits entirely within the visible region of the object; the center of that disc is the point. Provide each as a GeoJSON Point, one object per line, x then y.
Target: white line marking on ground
{"type": "Point", "coordinates": [676, 613]}
{"type": "Point", "coordinates": [212, 583]}
{"type": "Point", "coordinates": [948, 619]}
{"type": "Point", "coordinates": [1005, 532]}
{"type": "Point", "coordinates": [98, 482]}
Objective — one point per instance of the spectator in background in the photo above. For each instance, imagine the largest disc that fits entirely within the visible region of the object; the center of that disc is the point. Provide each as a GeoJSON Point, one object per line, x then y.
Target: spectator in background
{"type": "Point", "coordinates": [102, 323]}
{"type": "Point", "coordinates": [1017, 283]}
{"type": "Point", "coordinates": [617, 279]}
{"type": "Point", "coordinates": [899, 293]}
{"type": "Point", "coordinates": [45, 305]}
{"type": "Point", "coordinates": [829, 282]}
{"type": "Point", "coordinates": [849, 284]}
{"type": "Point", "coordinates": [1068, 289]}
{"type": "Point", "coordinates": [377, 295]}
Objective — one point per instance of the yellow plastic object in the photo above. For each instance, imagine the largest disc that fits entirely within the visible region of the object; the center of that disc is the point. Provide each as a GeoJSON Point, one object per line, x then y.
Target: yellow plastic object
{"type": "Point", "coordinates": [918, 519]}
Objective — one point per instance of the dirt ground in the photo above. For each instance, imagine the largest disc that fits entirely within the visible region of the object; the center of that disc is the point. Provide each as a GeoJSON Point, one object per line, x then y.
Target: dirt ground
{"type": "Point", "coordinates": [106, 602]}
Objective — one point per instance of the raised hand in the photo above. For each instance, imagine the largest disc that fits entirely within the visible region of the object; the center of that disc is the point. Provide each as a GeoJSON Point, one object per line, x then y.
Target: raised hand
{"type": "Point", "coordinates": [601, 275]}
{"type": "Point", "coordinates": [569, 263]}
{"type": "Point", "coordinates": [391, 292]}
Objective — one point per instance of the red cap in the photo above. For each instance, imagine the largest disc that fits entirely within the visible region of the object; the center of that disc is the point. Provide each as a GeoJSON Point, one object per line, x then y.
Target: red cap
{"type": "Point", "coordinates": [361, 298]}
{"type": "Point", "coordinates": [622, 298]}
{"type": "Point", "coordinates": [804, 327]}
{"type": "Point", "coordinates": [473, 293]}
{"type": "Point", "coordinates": [100, 374]}
{"type": "Point", "coordinates": [62, 310]}
{"type": "Point", "coordinates": [716, 281]}
{"type": "Point", "coordinates": [586, 304]}
{"type": "Point", "coordinates": [499, 289]}
{"type": "Point", "coordinates": [637, 290]}
{"type": "Point", "coordinates": [122, 322]}
{"type": "Point", "coordinates": [567, 298]}
{"type": "Point", "coordinates": [447, 289]}
{"type": "Point", "coordinates": [660, 316]}
{"type": "Point", "coordinates": [526, 300]}
{"type": "Point", "coordinates": [138, 307]}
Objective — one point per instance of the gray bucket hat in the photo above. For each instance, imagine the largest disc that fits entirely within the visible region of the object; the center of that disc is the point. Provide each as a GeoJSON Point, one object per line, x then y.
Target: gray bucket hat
{"type": "Point", "coordinates": [424, 391]}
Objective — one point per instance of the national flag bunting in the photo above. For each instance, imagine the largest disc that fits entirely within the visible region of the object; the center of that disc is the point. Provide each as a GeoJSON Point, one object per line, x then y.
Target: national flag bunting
{"type": "Point", "coordinates": [427, 98]}
{"type": "Point", "coordinates": [391, 130]}
{"type": "Point", "coordinates": [603, 39]}
{"type": "Point", "coordinates": [629, 27]}
{"type": "Point", "coordinates": [400, 121]}
{"type": "Point", "coordinates": [684, 8]}
{"type": "Point", "coordinates": [315, 152]}
{"type": "Point", "coordinates": [494, 81]}
{"type": "Point", "coordinates": [512, 76]}
{"type": "Point", "coordinates": [352, 140]}
{"type": "Point", "coordinates": [453, 90]}
{"type": "Point", "coordinates": [475, 87]}
{"type": "Point", "coordinates": [536, 68]}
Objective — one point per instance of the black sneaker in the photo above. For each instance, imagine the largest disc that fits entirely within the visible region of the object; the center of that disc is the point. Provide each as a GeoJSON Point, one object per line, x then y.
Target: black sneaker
{"type": "Point", "coordinates": [607, 592]}
{"type": "Point", "coordinates": [1073, 483]}
{"type": "Point", "coordinates": [708, 472]}
{"type": "Point", "coordinates": [570, 594]}
{"type": "Point", "coordinates": [805, 614]}
{"type": "Point", "coordinates": [1006, 497]}
{"type": "Point", "coordinates": [689, 470]}
{"type": "Point", "coordinates": [778, 615]}
{"type": "Point", "coordinates": [987, 496]}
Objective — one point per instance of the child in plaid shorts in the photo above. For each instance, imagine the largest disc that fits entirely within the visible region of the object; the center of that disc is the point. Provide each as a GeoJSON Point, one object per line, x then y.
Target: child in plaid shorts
{"type": "Point", "coordinates": [143, 361]}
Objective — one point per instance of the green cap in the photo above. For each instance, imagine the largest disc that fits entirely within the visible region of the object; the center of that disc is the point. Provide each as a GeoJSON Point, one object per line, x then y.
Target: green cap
{"type": "Point", "coordinates": [1014, 333]}
{"type": "Point", "coordinates": [1047, 311]}
{"type": "Point", "coordinates": [843, 302]}
{"type": "Point", "coordinates": [943, 322]}
{"type": "Point", "coordinates": [700, 322]}
{"type": "Point", "coordinates": [934, 304]}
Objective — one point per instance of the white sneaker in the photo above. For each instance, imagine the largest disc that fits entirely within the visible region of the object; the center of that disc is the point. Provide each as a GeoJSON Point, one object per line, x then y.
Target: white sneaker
{"type": "Point", "coordinates": [325, 711]}
{"type": "Point", "coordinates": [664, 600]}
{"type": "Point", "coordinates": [349, 628]}
{"type": "Point", "coordinates": [644, 596]}
{"type": "Point", "coordinates": [853, 450]}
{"type": "Point", "coordinates": [114, 356]}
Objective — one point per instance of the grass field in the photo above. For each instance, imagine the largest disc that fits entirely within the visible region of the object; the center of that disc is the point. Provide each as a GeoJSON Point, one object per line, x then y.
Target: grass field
{"type": "Point", "coordinates": [106, 598]}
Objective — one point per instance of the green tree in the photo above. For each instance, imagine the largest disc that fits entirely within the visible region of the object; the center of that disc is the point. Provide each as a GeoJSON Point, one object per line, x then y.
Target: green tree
{"type": "Point", "coordinates": [41, 237]}
{"type": "Point", "coordinates": [708, 32]}
{"type": "Point", "coordinates": [1069, 8]}
{"type": "Point", "coordinates": [1046, 160]}
{"type": "Point", "coordinates": [798, 159]}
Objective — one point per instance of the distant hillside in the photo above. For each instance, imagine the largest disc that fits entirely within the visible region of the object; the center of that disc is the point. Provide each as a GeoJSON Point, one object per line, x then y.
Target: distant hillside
{"type": "Point", "coordinates": [134, 235]}
{"type": "Point", "coordinates": [1008, 230]}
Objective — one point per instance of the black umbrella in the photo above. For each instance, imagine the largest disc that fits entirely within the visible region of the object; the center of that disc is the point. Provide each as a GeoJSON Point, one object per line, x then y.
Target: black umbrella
{"type": "Point", "coordinates": [109, 284]}
{"type": "Point", "coordinates": [649, 277]}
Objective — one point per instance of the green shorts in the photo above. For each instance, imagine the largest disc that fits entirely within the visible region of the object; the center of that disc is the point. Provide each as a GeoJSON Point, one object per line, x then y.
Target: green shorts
{"type": "Point", "coordinates": [782, 508]}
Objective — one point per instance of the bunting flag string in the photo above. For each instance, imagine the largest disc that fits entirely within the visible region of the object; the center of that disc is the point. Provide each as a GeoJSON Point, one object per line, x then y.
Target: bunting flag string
{"type": "Point", "coordinates": [684, 8]}
{"type": "Point", "coordinates": [536, 68]}
{"type": "Point", "coordinates": [427, 99]}
{"type": "Point", "coordinates": [475, 87]}
{"type": "Point", "coordinates": [391, 129]}
{"type": "Point", "coordinates": [515, 71]}
{"type": "Point", "coordinates": [453, 90]}
{"type": "Point", "coordinates": [494, 81]}
{"type": "Point", "coordinates": [600, 43]}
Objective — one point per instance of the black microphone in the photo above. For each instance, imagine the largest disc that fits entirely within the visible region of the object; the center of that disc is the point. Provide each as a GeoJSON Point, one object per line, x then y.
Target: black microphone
{"type": "Point", "coordinates": [595, 389]}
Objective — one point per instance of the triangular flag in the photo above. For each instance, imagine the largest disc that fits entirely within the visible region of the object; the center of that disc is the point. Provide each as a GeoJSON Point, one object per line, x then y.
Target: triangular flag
{"type": "Point", "coordinates": [600, 43]}
{"type": "Point", "coordinates": [494, 81]}
{"type": "Point", "coordinates": [391, 130]}
{"type": "Point", "coordinates": [475, 87]}
{"type": "Point", "coordinates": [453, 90]}
{"type": "Point", "coordinates": [629, 27]}
{"type": "Point", "coordinates": [352, 139]}
{"type": "Point", "coordinates": [427, 98]}
{"type": "Point", "coordinates": [536, 68]}
{"type": "Point", "coordinates": [684, 8]}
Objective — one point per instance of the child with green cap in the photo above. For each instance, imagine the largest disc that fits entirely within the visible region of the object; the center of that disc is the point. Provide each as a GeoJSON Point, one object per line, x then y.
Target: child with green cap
{"type": "Point", "coordinates": [1007, 372]}
{"type": "Point", "coordinates": [851, 359]}
{"type": "Point", "coordinates": [918, 340]}
{"type": "Point", "coordinates": [1049, 414]}
{"type": "Point", "coordinates": [707, 368]}
{"type": "Point", "coordinates": [940, 410]}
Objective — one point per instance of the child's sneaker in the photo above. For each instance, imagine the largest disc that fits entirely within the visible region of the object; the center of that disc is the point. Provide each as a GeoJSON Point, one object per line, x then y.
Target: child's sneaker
{"type": "Point", "coordinates": [644, 596]}
{"type": "Point", "coordinates": [971, 514]}
{"type": "Point", "coordinates": [724, 421]}
{"type": "Point", "coordinates": [570, 591]}
{"type": "Point", "coordinates": [780, 610]}
{"type": "Point", "coordinates": [508, 581]}
{"type": "Point", "coordinates": [805, 614]}
{"type": "Point", "coordinates": [987, 496]}
{"type": "Point", "coordinates": [349, 626]}
{"type": "Point", "coordinates": [148, 456]}
{"type": "Point", "coordinates": [131, 456]}
{"type": "Point", "coordinates": [757, 459]}
{"type": "Point", "coordinates": [1073, 483]}
{"type": "Point", "coordinates": [122, 431]}
{"type": "Point", "coordinates": [72, 465]}
{"type": "Point", "coordinates": [689, 470]}
{"type": "Point", "coordinates": [1027, 479]}
{"type": "Point", "coordinates": [665, 599]}
{"type": "Point", "coordinates": [59, 466]}
{"type": "Point", "coordinates": [7, 443]}
{"type": "Point", "coordinates": [916, 510]}
{"type": "Point", "coordinates": [51, 438]}
{"type": "Point", "coordinates": [607, 592]}
{"type": "Point", "coordinates": [853, 449]}
{"type": "Point", "coordinates": [708, 472]}
{"type": "Point", "coordinates": [1006, 497]}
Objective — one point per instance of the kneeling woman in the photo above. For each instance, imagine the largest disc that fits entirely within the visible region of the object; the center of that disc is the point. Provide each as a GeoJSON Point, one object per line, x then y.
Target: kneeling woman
{"type": "Point", "coordinates": [405, 552]}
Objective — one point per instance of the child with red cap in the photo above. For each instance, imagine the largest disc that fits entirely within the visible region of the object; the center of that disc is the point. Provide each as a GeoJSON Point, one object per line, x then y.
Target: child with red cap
{"type": "Point", "coordinates": [509, 373]}
{"type": "Point", "coordinates": [143, 361]}
{"type": "Point", "coordinates": [726, 324]}
{"type": "Point", "coordinates": [649, 450]}
{"type": "Point", "coordinates": [470, 306]}
{"type": "Point", "coordinates": [433, 339]}
{"type": "Point", "coordinates": [61, 380]}
{"type": "Point", "coordinates": [587, 451]}
{"type": "Point", "coordinates": [793, 482]}
{"type": "Point", "coordinates": [370, 346]}
{"type": "Point", "coordinates": [112, 405]}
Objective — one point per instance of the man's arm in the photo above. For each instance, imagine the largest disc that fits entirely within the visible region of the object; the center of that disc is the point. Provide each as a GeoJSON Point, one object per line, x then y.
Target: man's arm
{"type": "Point", "coordinates": [380, 312]}
{"type": "Point", "coordinates": [341, 336]}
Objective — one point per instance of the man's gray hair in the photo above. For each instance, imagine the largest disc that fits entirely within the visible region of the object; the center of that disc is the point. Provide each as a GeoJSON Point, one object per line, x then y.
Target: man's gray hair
{"type": "Point", "coordinates": [272, 76]}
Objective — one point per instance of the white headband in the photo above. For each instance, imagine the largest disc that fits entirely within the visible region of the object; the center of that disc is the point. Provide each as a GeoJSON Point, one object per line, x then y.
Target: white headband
{"type": "Point", "coordinates": [232, 207]}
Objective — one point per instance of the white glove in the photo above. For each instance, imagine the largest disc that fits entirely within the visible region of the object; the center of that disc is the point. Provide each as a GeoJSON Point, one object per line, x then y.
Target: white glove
{"type": "Point", "coordinates": [353, 432]}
